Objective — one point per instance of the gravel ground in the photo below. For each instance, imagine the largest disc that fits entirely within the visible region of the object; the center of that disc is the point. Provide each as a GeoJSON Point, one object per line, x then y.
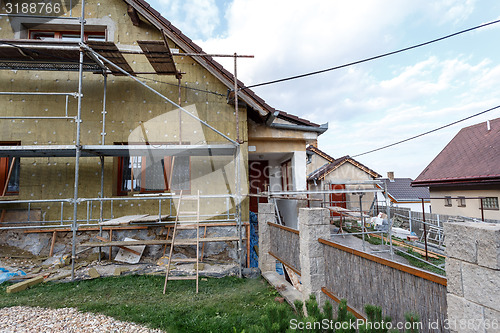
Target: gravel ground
{"type": "Point", "coordinates": [29, 319]}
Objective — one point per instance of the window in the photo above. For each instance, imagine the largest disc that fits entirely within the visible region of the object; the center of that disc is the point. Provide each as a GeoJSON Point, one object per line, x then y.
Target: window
{"type": "Point", "coordinates": [286, 176]}
{"type": "Point", "coordinates": [490, 203]}
{"type": "Point", "coordinates": [146, 174]}
{"type": "Point", "coordinates": [461, 202]}
{"type": "Point", "coordinates": [67, 35]}
{"type": "Point", "coordinates": [447, 201]}
{"type": "Point", "coordinates": [9, 172]}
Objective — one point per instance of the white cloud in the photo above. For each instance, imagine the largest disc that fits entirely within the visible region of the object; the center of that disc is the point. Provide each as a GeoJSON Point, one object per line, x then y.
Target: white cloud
{"type": "Point", "coordinates": [367, 105]}
{"type": "Point", "coordinates": [196, 18]}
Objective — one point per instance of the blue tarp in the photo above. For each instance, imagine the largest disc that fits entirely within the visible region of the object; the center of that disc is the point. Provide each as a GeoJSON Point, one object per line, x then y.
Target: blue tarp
{"type": "Point", "coordinates": [5, 275]}
{"type": "Point", "coordinates": [254, 240]}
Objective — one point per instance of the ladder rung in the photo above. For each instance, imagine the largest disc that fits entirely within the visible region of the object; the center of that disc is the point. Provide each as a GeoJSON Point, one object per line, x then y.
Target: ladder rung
{"type": "Point", "coordinates": [182, 278]}
{"type": "Point", "coordinates": [185, 243]}
{"type": "Point", "coordinates": [185, 260]}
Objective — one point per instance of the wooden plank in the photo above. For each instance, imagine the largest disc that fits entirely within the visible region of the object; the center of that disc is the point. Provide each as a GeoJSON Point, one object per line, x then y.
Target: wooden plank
{"type": "Point", "coordinates": [404, 268]}
{"type": "Point", "coordinates": [431, 254]}
{"type": "Point", "coordinates": [121, 247]}
{"type": "Point", "coordinates": [208, 224]}
{"type": "Point", "coordinates": [54, 235]}
{"type": "Point", "coordinates": [283, 227]}
{"type": "Point", "coordinates": [124, 219]}
{"type": "Point", "coordinates": [285, 263]}
{"type": "Point", "coordinates": [24, 285]}
{"type": "Point", "coordinates": [157, 242]}
{"type": "Point", "coordinates": [355, 312]}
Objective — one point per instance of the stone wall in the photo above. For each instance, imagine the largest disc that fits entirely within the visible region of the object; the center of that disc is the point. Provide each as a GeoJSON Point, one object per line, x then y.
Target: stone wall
{"type": "Point", "coordinates": [473, 271]}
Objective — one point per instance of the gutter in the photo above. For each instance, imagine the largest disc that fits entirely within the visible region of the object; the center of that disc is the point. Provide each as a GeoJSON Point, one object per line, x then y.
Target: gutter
{"type": "Point", "coordinates": [321, 129]}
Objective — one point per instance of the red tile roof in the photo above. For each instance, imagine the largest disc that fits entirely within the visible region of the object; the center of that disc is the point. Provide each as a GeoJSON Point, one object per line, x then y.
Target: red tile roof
{"type": "Point", "coordinates": [471, 157]}
{"type": "Point", "coordinates": [161, 23]}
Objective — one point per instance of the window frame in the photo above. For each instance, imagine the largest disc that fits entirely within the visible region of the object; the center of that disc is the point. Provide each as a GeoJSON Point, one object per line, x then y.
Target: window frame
{"type": "Point", "coordinates": [286, 175]}
{"type": "Point", "coordinates": [461, 201]}
{"type": "Point", "coordinates": [166, 166]}
{"type": "Point", "coordinates": [447, 201]}
{"type": "Point", "coordinates": [58, 34]}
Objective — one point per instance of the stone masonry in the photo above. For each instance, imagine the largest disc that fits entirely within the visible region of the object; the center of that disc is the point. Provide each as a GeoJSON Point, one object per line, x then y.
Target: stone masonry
{"type": "Point", "coordinates": [266, 214]}
{"type": "Point", "coordinates": [473, 272]}
{"type": "Point", "coordinates": [313, 224]}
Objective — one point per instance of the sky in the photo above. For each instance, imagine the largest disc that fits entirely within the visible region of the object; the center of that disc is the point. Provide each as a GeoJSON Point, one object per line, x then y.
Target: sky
{"type": "Point", "coordinates": [371, 104]}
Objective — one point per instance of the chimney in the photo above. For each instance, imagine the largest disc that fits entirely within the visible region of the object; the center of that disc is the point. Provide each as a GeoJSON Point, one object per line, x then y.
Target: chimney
{"type": "Point", "coordinates": [488, 126]}
{"type": "Point", "coordinates": [390, 175]}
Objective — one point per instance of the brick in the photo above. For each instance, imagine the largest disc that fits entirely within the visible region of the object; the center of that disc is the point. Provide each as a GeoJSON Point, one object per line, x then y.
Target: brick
{"type": "Point", "coordinates": [454, 276]}
{"type": "Point", "coordinates": [24, 285]}
{"type": "Point", "coordinates": [481, 285]}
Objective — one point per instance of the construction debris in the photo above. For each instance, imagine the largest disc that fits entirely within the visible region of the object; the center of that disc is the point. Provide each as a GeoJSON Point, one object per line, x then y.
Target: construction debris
{"type": "Point", "coordinates": [24, 285]}
{"type": "Point", "coordinates": [130, 254]}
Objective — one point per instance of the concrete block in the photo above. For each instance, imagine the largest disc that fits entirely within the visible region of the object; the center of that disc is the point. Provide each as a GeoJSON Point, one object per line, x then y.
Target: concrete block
{"type": "Point", "coordinates": [488, 247]}
{"type": "Point", "coordinates": [266, 208]}
{"type": "Point", "coordinates": [481, 285]}
{"type": "Point", "coordinates": [24, 285]}
{"type": "Point", "coordinates": [94, 273]}
{"type": "Point", "coordinates": [313, 216]}
{"type": "Point", "coordinates": [454, 276]}
{"type": "Point", "coordinates": [491, 320]}
{"type": "Point", "coordinates": [460, 311]}
{"type": "Point", "coordinates": [461, 241]}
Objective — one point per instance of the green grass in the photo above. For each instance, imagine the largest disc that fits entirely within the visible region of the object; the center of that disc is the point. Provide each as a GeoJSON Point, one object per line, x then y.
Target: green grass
{"type": "Point", "coordinates": [220, 306]}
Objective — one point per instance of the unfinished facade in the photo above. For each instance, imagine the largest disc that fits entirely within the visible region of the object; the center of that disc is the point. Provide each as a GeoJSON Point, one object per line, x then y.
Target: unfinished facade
{"type": "Point", "coordinates": [147, 115]}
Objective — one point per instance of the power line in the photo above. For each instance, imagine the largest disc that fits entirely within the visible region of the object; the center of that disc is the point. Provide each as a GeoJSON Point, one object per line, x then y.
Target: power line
{"type": "Point", "coordinates": [371, 58]}
{"type": "Point", "coordinates": [428, 132]}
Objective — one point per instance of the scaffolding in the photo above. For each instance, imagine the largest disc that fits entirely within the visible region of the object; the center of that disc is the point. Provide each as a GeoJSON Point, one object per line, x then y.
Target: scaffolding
{"type": "Point", "coordinates": [105, 58]}
{"type": "Point", "coordinates": [360, 190]}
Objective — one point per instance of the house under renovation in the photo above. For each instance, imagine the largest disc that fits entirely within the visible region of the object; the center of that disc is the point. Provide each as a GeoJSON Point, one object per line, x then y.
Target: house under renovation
{"type": "Point", "coordinates": [351, 183]}
{"type": "Point", "coordinates": [119, 126]}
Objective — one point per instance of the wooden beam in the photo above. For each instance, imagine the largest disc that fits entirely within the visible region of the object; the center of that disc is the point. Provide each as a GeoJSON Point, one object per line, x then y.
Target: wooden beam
{"type": "Point", "coordinates": [283, 227]}
{"type": "Point", "coordinates": [285, 263]}
{"type": "Point", "coordinates": [208, 224]}
{"type": "Point", "coordinates": [159, 242]}
{"type": "Point", "coordinates": [54, 235]}
{"type": "Point", "coordinates": [355, 312]}
{"type": "Point", "coordinates": [121, 247]}
{"type": "Point", "coordinates": [134, 17]}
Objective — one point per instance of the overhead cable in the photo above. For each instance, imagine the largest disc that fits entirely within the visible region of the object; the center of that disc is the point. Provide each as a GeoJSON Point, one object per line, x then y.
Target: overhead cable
{"type": "Point", "coordinates": [371, 58]}
{"type": "Point", "coordinates": [428, 132]}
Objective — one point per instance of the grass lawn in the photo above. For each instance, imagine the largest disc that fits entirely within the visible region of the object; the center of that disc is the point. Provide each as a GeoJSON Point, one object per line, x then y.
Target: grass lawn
{"type": "Point", "coordinates": [220, 306]}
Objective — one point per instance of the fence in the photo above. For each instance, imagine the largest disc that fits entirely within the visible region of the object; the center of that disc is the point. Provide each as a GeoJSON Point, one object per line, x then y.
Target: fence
{"type": "Point", "coordinates": [362, 278]}
{"type": "Point", "coordinates": [285, 245]}
{"type": "Point", "coordinates": [330, 270]}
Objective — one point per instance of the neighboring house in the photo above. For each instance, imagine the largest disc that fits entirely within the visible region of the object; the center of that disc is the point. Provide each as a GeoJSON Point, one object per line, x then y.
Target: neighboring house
{"type": "Point", "coordinates": [330, 176]}
{"type": "Point", "coordinates": [402, 194]}
{"type": "Point", "coordinates": [143, 145]}
{"type": "Point", "coordinates": [468, 167]}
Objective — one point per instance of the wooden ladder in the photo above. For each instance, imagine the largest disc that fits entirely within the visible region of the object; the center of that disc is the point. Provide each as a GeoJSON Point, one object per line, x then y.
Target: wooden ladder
{"type": "Point", "coordinates": [179, 225]}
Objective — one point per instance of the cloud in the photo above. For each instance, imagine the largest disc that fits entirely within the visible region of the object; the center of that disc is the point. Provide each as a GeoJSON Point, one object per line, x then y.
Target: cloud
{"type": "Point", "coordinates": [367, 105]}
{"type": "Point", "coordinates": [196, 18]}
